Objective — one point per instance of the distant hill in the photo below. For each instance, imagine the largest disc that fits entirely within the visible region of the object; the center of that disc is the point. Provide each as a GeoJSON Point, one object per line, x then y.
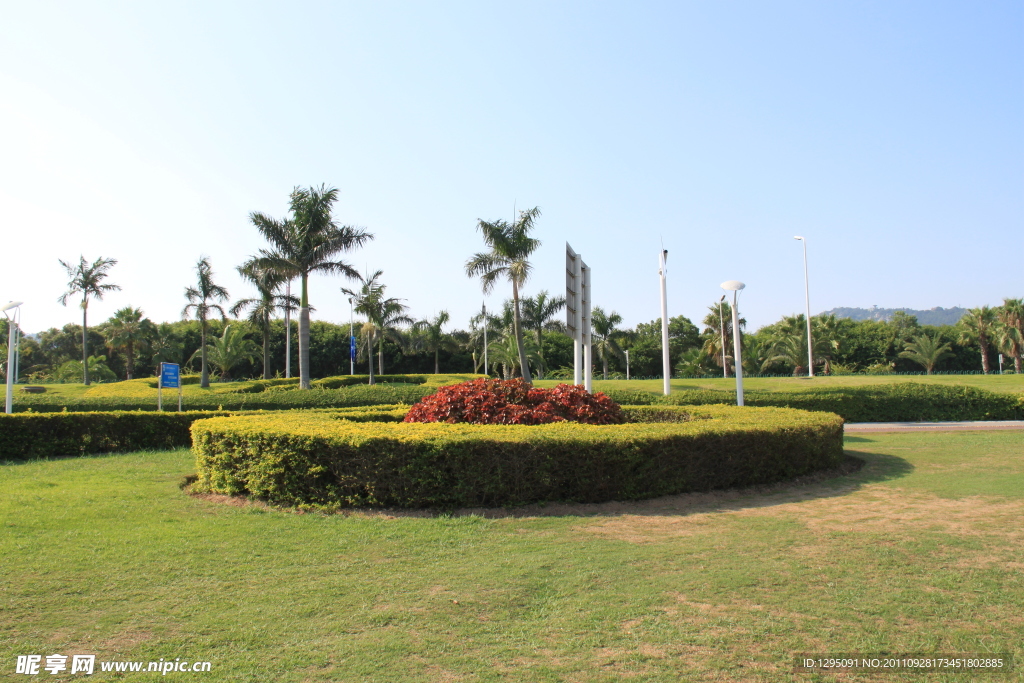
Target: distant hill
{"type": "Point", "coordinates": [933, 316]}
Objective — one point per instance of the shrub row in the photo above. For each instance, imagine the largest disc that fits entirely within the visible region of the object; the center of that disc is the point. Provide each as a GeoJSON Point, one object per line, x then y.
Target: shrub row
{"type": "Point", "coordinates": [903, 402]}
{"type": "Point", "coordinates": [41, 435]}
{"type": "Point", "coordinates": [310, 459]}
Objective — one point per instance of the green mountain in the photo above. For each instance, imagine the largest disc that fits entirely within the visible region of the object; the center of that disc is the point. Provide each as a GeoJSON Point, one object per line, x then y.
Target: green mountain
{"type": "Point", "coordinates": [932, 316]}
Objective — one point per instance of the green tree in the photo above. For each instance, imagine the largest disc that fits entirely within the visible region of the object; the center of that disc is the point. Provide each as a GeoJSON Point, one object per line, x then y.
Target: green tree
{"type": "Point", "coordinates": [229, 350]}
{"type": "Point", "coordinates": [383, 316]}
{"type": "Point", "coordinates": [199, 304]}
{"type": "Point", "coordinates": [96, 367]}
{"type": "Point", "coordinates": [433, 337]}
{"type": "Point", "coordinates": [510, 248]}
{"type": "Point", "coordinates": [262, 308]}
{"type": "Point", "coordinates": [165, 345]}
{"type": "Point", "coordinates": [718, 332]}
{"type": "Point", "coordinates": [1011, 335]}
{"type": "Point", "coordinates": [87, 279]}
{"type": "Point", "coordinates": [605, 336]}
{"type": "Point", "coordinates": [505, 352]}
{"type": "Point", "coordinates": [539, 315]}
{"type": "Point", "coordinates": [978, 326]}
{"type": "Point", "coordinates": [304, 244]}
{"type": "Point", "coordinates": [926, 351]}
{"type": "Point", "coordinates": [129, 331]}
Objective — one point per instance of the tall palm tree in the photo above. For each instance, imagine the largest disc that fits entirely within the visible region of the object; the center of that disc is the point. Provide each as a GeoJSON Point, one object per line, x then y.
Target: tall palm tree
{"type": "Point", "coordinates": [87, 279]}
{"type": "Point", "coordinates": [129, 330]}
{"type": "Point", "coordinates": [383, 315]}
{"type": "Point", "coordinates": [262, 308]}
{"type": "Point", "coordinates": [1011, 315]}
{"type": "Point", "coordinates": [510, 247]}
{"type": "Point", "coordinates": [715, 323]}
{"type": "Point", "coordinates": [926, 351]}
{"type": "Point", "coordinates": [978, 325]}
{"type": "Point", "coordinates": [605, 336]}
{"type": "Point", "coordinates": [539, 315]}
{"type": "Point", "coordinates": [304, 244]}
{"type": "Point", "coordinates": [228, 350]}
{"type": "Point", "coordinates": [434, 338]}
{"type": "Point", "coordinates": [199, 303]}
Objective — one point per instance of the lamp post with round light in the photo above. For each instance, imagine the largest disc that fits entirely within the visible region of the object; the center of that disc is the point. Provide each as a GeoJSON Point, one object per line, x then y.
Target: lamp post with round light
{"type": "Point", "coordinates": [735, 286]}
{"type": "Point", "coordinates": [807, 302]}
{"type": "Point", "coordinates": [12, 325]}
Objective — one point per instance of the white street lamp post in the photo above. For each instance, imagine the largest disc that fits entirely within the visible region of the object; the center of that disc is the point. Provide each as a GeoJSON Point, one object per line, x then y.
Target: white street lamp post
{"type": "Point", "coordinates": [627, 363]}
{"type": "Point", "coordinates": [665, 362]}
{"type": "Point", "coordinates": [735, 286]}
{"type": "Point", "coordinates": [11, 326]}
{"type": "Point", "coordinates": [721, 327]}
{"type": "Point", "coordinates": [807, 301]}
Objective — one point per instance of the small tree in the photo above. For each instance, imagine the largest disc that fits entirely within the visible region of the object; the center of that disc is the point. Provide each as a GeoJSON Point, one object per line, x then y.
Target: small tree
{"type": "Point", "coordinates": [129, 331]}
{"type": "Point", "coordinates": [87, 279]}
{"type": "Point", "coordinates": [229, 350]}
{"type": "Point", "coordinates": [434, 338]}
{"type": "Point", "coordinates": [606, 336]}
{"type": "Point", "coordinates": [926, 351]}
{"type": "Point", "coordinates": [199, 304]}
{"type": "Point", "coordinates": [977, 326]}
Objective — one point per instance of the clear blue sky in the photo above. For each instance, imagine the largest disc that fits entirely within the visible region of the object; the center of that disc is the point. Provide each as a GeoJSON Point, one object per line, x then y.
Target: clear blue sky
{"type": "Point", "coordinates": [888, 133]}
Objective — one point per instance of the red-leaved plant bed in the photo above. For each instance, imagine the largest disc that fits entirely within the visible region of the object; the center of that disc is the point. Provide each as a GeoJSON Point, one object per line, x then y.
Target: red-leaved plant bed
{"type": "Point", "coordinates": [514, 402]}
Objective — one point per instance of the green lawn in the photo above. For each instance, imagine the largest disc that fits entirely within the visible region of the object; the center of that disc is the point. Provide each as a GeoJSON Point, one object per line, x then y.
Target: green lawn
{"type": "Point", "coordinates": [1003, 383]}
{"type": "Point", "coordinates": [920, 551]}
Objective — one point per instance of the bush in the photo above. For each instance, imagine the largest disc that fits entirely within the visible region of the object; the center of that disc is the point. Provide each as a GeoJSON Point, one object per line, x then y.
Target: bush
{"type": "Point", "coordinates": [901, 402]}
{"type": "Point", "coordinates": [41, 435]}
{"type": "Point", "coordinates": [514, 402]}
{"type": "Point", "coordinates": [320, 460]}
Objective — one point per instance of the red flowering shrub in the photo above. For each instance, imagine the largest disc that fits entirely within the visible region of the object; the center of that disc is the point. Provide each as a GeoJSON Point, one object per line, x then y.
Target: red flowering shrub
{"type": "Point", "coordinates": [514, 402]}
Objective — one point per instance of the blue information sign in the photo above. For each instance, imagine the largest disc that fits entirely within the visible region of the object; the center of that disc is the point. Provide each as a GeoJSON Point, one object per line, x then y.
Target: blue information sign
{"type": "Point", "coordinates": [169, 375]}
{"type": "Point", "coordinates": [352, 348]}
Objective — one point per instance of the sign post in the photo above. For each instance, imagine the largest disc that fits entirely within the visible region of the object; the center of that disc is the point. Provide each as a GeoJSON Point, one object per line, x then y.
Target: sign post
{"type": "Point", "coordinates": [577, 315]}
{"type": "Point", "coordinates": [170, 377]}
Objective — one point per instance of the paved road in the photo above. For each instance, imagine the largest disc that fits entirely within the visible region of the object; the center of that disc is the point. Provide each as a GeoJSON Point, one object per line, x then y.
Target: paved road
{"type": "Point", "coordinates": [984, 426]}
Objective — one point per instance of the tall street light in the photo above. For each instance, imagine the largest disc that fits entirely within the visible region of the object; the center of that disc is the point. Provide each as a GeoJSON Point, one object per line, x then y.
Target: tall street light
{"type": "Point", "coordinates": [666, 365]}
{"type": "Point", "coordinates": [807, 301]}
{"type": "Point", "coordinates": [12, 324]}
{"type": "Point", "coordinates": [735, 286]}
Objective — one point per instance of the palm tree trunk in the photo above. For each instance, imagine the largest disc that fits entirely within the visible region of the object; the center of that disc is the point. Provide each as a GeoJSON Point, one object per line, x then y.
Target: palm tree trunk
{"type": "Point", "coordinates": [131, 358]}
{"type": "Point", "coordinates": [436, 366]}
{"type": "Point", "coordinates": [517, 324]}
{"type": "Point", "coordinates": [380, 355]}
{"type": "Point", "coordinates": [204, 374]}
{"type": "Point", "coordinates": [984, 355]}
{"type": "Point", "coordinates": [266, 349]}
{"type": "Point", "coordinates": [85, 343]}
{"type": "Point", "coordinates": [540, 352]}
{"type": "Point", "coordinates": [604, 363]}
{"type": "Point", "coordinates": [304, 336]}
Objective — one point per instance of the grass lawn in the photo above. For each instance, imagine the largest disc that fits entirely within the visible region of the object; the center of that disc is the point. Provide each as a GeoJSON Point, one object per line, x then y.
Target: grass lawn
{"type": "Point", "coordinates": [1002, 383]}
{"type": "Point", "coordinates": [922, 550]}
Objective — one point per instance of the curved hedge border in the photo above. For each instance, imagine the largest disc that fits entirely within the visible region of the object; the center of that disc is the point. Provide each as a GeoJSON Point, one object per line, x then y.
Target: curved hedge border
{"type": "Point", "coordinates": [902, 402]}
{"type": "Point", "coordinates": [319, 460]}
{"type": "Point", "coordinates": [41, 435]}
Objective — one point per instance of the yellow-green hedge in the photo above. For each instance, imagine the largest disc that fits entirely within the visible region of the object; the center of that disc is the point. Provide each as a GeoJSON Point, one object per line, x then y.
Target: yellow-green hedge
{"type": "Point", "coordinates": [321, 459]}
{"type": "Point", "coordinates": [39, 435]}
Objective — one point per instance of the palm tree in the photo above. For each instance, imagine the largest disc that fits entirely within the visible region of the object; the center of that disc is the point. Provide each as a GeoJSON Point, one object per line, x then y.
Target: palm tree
{"type": "Point", "coordinates": [262, 308]}
{"type": "Point", "coordinates": [787, 344]}
{"type": "Point", "coordinates": [434, 339]}
{"type": "Point", "coordinates": [228, 350]}
{"type": "Point", "coordinates": [383, 315]}
{"type": "Point", "coordinates": [305, 244]}
{"type": "Point", "coordinates": [538, 315]}
{"type": "Point", "coordinates": [605, 336]}
{"type": "Point", "coordinates": [926, 351]}
{"type": "Point", "coordinates": [128, 330]}
{"type": "Point", "coordinates": [87, 279]}
{"type": "Point", "coordinates": [199, 299]}
{"type": "Point", "coordinates": [505, 352]}
{"type": "Point", "coordinates": [510, 247]}
{"type": "Point", "coordinates": [978, 326]}
{"type": "Point", "coordinates": [1011, 315]}
{"type": "Point", "coordinates": [715, 322]}
{"type": "Point", "coordinates": [97, 366]}
{"type": "Point", "coordinates": [827, 338]}
{"type": "Point", "coordinates": [165, 345]}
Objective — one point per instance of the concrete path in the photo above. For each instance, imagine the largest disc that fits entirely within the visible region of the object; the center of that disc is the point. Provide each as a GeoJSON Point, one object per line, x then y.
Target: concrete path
{"type": "Point", "coordinates": [983, 426]}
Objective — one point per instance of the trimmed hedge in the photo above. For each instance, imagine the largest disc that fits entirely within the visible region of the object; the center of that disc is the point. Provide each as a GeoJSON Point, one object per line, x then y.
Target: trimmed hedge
{"type": "Point", "coordinates": [902, 402]}
{"type": "Point", "coordinates": [275, 394]}
{"type": "Point", "coordinates": [40, 435]}
{"type": "Point", "coordinates": [319, 460]}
